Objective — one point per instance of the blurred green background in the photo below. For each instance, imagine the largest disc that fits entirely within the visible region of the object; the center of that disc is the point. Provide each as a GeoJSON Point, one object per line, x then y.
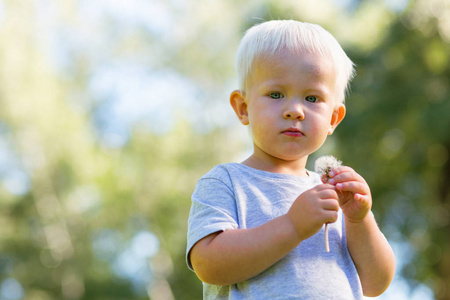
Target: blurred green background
{"type": "Point", "coordinates": [111, 110]}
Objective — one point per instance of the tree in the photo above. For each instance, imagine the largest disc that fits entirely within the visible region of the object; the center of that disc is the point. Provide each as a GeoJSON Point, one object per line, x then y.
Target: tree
{"type": "Point", "coordinates": [397, 132]}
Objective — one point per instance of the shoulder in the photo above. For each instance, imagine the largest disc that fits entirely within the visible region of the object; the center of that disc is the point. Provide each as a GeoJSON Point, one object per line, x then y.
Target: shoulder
{"type": "Point", "coordinates": [218, 171]}
{"type": "Point", "coordinates": [219, 177]}
{"type": "Point", "coordinates": [223, 172]}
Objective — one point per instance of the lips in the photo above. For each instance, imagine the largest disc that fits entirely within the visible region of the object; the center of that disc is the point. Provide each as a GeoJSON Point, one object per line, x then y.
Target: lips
{"type": "Point", "coordinates": [292, 131]}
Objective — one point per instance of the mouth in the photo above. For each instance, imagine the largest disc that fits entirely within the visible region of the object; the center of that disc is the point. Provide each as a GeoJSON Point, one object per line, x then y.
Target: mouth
{"type": "Point", "coordinates": [293, 132]}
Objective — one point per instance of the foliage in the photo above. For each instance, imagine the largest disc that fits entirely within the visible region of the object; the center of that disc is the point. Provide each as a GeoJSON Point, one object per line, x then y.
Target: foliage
{"type": "Point", "coordinates": [397, 132]}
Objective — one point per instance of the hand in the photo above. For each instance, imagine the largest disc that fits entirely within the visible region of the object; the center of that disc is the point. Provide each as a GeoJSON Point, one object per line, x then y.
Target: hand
{"type": "Point", "coordinates": [355, 199]}
{"type": "Point", "coordinates": [313, 208]}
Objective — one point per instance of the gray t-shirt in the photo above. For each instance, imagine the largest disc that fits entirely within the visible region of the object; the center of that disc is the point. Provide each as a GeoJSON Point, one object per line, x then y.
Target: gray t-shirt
{"type": "Point", "coordinates": [233, 196]}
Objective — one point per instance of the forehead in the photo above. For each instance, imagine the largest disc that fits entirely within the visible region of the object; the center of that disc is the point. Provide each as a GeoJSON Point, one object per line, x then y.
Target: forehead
{"type": "Point", "coordinates": [290, 65]}
{"type": "Point", "coordinates": [306, 61]}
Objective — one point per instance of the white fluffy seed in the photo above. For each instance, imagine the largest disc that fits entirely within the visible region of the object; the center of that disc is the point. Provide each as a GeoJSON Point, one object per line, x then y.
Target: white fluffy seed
{"type": "Point", "coordinates": [325, 164]}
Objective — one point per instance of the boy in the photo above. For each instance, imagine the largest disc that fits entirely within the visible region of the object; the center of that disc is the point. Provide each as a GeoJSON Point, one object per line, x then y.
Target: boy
{"type": "Point", "coordinates": [256, 227]}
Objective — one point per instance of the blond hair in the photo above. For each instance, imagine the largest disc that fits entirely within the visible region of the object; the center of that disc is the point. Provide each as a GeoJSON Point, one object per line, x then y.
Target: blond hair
{"type": "Point", "coordinates": [263, 40]}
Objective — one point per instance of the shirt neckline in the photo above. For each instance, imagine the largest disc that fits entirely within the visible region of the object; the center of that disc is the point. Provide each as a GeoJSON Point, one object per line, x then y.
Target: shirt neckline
{"type": "Point", "coordinates": [310, 176]}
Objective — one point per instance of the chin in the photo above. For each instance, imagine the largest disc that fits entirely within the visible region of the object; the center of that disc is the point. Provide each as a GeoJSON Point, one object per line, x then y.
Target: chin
{"type": "Point", "coordinates": [292, 158]}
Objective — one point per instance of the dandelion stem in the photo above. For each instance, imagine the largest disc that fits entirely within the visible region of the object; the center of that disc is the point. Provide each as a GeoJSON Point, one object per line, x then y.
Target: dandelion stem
{"type": "Point", "coordinates": [327, 244]}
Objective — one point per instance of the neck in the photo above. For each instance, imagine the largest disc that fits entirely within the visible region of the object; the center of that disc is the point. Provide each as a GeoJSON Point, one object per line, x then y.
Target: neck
{"type": "Point", "coordinates": [266, 162]}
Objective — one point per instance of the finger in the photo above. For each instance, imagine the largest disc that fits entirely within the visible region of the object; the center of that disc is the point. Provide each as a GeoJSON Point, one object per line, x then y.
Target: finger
{"type": "Point", "coordinates": [346, 176]}
{"type": "Point", "coordinates": [330, 204]}
{"type": "Point", "coordinates": [341, 169]}
{"type": "Point", "coordinates": [363, 199]}
{"type": "Point", "coordinates": [363, 202]}
{"type": "Point", "coordinates": [324, 178]}
{"type": "Point", "coordinates": [354, 187]}
{"type": "Point", "coordinates": [327, 195]}
{"type": "Point", "coordinates": [330, 216]}
{"type": "Point", "coordinates": [342, 174]}
{"type": "Point", "coordinates": [322, 190]}
{"type": "Point", "coordinates": [325, 186]}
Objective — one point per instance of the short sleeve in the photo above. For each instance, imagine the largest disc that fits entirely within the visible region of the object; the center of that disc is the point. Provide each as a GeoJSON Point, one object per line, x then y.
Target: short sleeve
{"type": "Point", "coordinates": [213, 209]}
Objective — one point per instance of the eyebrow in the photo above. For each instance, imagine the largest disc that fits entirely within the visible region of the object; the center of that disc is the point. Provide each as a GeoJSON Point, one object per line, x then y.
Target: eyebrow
{"type": "Point", "coordinates": [321, 89]}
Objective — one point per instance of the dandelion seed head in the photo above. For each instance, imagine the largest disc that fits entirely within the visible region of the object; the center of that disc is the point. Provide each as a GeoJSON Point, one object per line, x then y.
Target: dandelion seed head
{"type": "Point", "coordinates": [325, 164]}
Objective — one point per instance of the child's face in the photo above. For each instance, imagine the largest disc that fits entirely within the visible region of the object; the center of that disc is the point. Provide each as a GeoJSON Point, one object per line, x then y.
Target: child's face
{"type": "Point", "coordinates": [290, 105]}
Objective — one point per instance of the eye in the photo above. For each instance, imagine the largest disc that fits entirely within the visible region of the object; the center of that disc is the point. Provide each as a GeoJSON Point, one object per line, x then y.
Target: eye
{"type": "Point", "coordinates": [276, 95]}
{"type": "Point", "coordinates": [312, 99]}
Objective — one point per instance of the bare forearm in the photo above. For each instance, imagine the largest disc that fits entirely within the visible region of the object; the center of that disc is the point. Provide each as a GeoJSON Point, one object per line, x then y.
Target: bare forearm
{"type": "Point", "coordinates": [237, 255]}
{"type": "Point", "coordinates": [372, 255]}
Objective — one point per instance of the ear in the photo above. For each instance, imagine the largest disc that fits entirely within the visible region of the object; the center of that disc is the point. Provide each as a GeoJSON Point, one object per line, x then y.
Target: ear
{"type": "Point", "coordinates": [336, 118]}
{"type": "Point", "coordinates": [239, 104]}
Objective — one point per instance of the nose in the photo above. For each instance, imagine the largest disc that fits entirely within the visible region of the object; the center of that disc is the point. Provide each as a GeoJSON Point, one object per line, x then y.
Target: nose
{"type": "Point", "coordinates": [294, 111]}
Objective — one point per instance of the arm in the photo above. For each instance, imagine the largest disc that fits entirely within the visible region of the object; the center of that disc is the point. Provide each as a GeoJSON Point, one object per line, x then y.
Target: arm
{"type": "Point", "coordinates": [372, 255]}
{"type": "Point", "coordinates": [236, 255]}
{"type": "Point", "coordinates": [370, 251]}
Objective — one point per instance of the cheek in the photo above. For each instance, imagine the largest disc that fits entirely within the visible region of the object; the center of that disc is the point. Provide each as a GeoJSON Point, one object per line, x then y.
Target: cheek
{"type": "Point", "coordinates": [262, 116]}
{"type": "Point", "coordinates": [322, 123]}
{"type": "Point", "coordinates": [262, 126]}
